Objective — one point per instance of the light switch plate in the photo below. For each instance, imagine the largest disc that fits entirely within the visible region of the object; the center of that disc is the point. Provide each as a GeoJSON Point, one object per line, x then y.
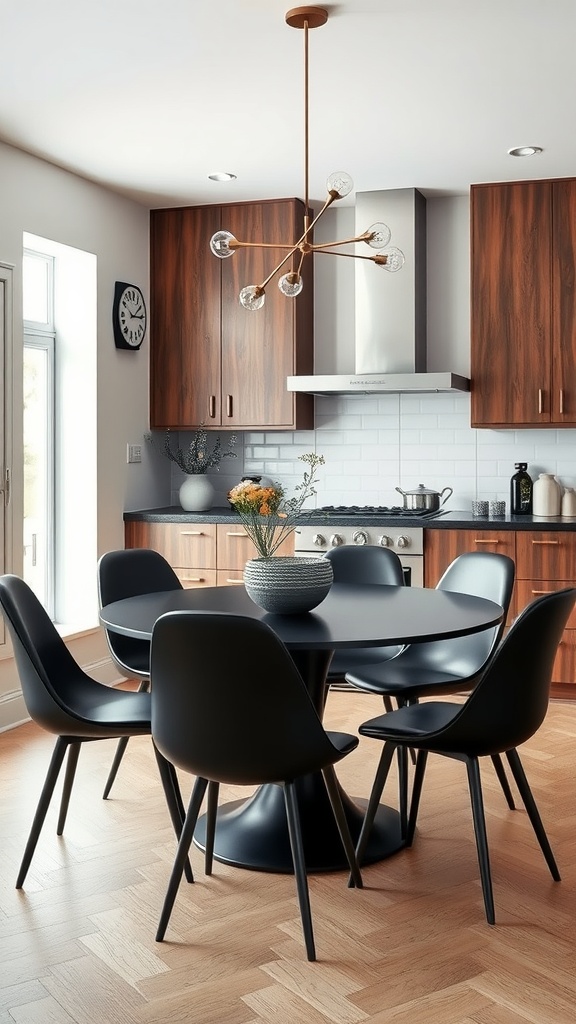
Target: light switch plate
{"type": "Point", "coordinates": [134, 453]}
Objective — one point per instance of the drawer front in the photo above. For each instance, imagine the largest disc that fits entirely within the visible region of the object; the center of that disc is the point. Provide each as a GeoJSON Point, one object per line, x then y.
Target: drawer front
{"type": "Point", "coordinates": [190, 578]}
{"type": "Point", "coordinates": [182, 544]}
{"type": "Point", "coordinates": [235, 546]}
{"type": "Point", "coordinates": [441, 547]}
{"type": "Point", "coordinates": [230, 578]}
{"type": "Point", "coordinates": [548, 555]}
{"type": "Point", "coordinates": [528, 590]}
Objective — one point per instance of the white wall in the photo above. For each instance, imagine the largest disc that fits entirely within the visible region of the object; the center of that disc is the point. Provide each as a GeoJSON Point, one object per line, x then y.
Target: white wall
{"type": "Point", "coordinates": [37, 197]}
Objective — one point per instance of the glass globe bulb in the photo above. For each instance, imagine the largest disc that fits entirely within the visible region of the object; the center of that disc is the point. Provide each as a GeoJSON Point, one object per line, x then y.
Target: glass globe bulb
{"type": "Point", "coordinates": [395, 259]}
{"type": "Point", "coordinates": [339, 182]}
{"type": "Point", "coordinates": [381, 235]}
{"type": "Point", "coordinates": [220, 244]}
{"type": "Point", "coordinates": [252, 297]}
{"type": "Point", "coordinates": [291, 285]}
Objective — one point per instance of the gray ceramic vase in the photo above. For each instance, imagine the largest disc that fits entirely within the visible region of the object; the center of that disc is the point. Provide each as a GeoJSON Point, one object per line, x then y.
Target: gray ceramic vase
{"type": "Point", "coordinates": [287, 585]}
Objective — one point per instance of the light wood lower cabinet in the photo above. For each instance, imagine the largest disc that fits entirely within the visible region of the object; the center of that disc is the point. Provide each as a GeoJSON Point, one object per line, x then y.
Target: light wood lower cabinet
{"type": "Point", "coordinates": [201, 554]}
{"type": "Point", "coordinates": [545, 562]}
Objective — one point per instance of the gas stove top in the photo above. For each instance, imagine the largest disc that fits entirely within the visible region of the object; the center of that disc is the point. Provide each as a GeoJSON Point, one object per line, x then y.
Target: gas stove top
{"type": "Point", "coordinates": [380, 510]}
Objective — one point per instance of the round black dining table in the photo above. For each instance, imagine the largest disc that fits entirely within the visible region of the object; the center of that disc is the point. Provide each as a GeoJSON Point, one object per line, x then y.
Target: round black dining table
{"type": "Point", "coordinates": [253, 833]}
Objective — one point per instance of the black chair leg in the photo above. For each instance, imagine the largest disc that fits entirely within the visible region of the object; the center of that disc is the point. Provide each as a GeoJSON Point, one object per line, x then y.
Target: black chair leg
{"type": "Point", "coordinates": [403, 790]}
{"type": "Point", "coordinates": [481, 837]}
{"type": "Point", "coordinates": [532, 810]}
{"type": "Point", "coordinates": [338, 810]}
{"type": "Point", "coordinates": [169, 781]}
{"type": "Point", "coordinates": [499, 769]}
{"type": "Point", "coordinates": [71, 762]}
{"type": "Point", "coordinates": [181, 854]}
{"type": "Point", "coordinates": [295, 834]}
{"type": "Point", "coordinates": [211, 812]}
{"type": "Point", "coordinates": [56, 760]}
{"type": "Point", "coordinates": [416, 794]}
{"type": "Point", "coordinates": [121, 749]}
{"type": "Point", "coordinates": [374, 799]}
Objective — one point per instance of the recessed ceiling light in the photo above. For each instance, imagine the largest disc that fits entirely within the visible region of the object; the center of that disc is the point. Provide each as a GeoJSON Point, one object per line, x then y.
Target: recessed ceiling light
{"type": "Point", "coordinates": [525, 151]}
{"type": "Point", "coordinates": [222, 176]}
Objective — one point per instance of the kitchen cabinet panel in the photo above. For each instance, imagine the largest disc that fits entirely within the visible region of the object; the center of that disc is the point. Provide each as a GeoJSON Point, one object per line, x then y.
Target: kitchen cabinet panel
{"type": "Point", "coordinates": [549, 555]}
{"type": "Point", "coordinates": [201, 554]}
{"type": "Point", "coordinates": [564, 302]}
{"type": "Point", "coordinates": [185, 318]}
{"type": "Point", "coordinates": [441, 547]}
{"type": "Point", "coordinates": [213, 361]}
{"type": "Point", "coordinates": [235, 546]}
{"type": "Point", "coordinates": [545, 562]}
{"type": "Point", "coordinates": [511, 289]}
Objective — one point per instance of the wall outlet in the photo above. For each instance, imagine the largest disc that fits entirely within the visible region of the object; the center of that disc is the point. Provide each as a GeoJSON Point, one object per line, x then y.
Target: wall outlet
{"type": "Point", "coordinates": [134, 453]}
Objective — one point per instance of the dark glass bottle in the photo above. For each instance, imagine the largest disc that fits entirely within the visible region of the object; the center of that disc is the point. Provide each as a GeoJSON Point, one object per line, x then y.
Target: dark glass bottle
{"type": "Point", "coordinates": [521, 491]}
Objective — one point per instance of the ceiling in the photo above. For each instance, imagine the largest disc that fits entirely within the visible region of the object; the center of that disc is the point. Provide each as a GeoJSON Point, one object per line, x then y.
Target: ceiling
{"type": "Point", "coordinates": [148, 98]}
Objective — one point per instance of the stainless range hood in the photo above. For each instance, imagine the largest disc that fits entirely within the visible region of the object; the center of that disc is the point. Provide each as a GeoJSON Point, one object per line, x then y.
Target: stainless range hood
{"type": "Point", "coordinates": [390, 310]}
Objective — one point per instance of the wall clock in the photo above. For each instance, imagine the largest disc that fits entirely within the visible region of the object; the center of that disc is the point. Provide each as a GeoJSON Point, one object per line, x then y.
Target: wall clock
{"type": "Point", "coordinates": [128, 316]}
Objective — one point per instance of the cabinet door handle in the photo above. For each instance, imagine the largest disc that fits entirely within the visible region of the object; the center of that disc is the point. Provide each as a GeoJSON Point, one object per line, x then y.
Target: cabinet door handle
{"type": "Point", "coordinates": [236, 583]}
{"type": "Point", "coordinates": [195, 579]}
{"type": "Point", "coordinates": [229, 405]}
{"type": "Point", "coordinates": [230, 533]}
{"type": "Point", "coordinates": [192, 533]}
{"type": "Point", "coordinates": [212, 406]}
{"type": "Point", "coordinates": [540, 592]}
{"type": "Point", "coordinates": [540, 403]}
{"type": "Point", "coordinates": [543, 542]}
{"type": "Point", "coordinates": [561, 401]}
{"type": "Point", "coordinates": [479, 540]}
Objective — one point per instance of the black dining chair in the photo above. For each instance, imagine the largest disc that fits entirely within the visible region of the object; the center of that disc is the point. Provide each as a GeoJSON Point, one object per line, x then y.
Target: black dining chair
{"type": "Point", "coordinates": [128, 573]}
{"type": "Point", "coordinates": [442, 667]}
{"type": "Point", "coordinates": [229, 706]}
{"type": "Point", "coordinates": [63, 699]}
{"type": "Point", "coordinates": [361, 565]}
{"type": "Point", "coordinates": [506, 707]}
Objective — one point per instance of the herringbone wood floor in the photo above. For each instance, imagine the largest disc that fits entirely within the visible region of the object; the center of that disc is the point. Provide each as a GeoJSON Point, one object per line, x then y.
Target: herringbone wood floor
{"type": "Point", "coordinates": [77, 945]}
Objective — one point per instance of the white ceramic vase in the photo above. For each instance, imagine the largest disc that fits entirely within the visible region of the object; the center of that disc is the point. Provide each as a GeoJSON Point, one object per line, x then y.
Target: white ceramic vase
{"type": "Point", "coordinates": [196, 493]}
{"type": "Point", "coordinates": [286, 584]}
{"type": "Point", "coordinates": [546, 496]}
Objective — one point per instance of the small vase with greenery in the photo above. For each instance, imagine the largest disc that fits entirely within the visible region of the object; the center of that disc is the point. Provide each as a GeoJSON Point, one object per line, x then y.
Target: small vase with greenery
{"type": "Point", "coordinates": [198, 457]}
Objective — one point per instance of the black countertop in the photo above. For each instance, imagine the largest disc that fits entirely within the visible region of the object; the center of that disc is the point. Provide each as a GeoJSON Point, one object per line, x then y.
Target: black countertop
{"type": "Point", "coordinates": [447, 520]}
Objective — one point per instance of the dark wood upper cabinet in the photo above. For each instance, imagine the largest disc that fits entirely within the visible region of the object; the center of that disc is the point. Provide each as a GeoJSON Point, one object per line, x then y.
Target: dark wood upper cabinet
{"type": "Point", "coordinates": [213, 361]}
{"type": "Point", "coordinates": [523, 304]}
{"type": "Point", "coordinates": [511, 304]}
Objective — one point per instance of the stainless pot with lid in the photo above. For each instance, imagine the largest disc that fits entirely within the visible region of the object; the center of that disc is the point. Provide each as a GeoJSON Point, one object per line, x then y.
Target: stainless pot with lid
{"type": "Point", "coordinates": [424, 499]}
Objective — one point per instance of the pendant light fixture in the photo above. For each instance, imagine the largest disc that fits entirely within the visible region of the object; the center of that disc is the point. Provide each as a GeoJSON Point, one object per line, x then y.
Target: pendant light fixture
{"type": "Point", "coordinates": [339, 184]}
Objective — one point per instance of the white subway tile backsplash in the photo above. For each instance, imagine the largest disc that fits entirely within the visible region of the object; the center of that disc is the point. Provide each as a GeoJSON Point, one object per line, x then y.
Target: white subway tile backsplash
{"type": "Point", "coordinates": [374, 443]}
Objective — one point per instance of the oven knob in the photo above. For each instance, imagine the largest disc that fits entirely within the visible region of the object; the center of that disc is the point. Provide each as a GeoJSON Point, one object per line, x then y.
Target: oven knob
{"type": "Point", "coordinates": [385, 542]}
{"type": "Point", "coordinates": [336, 540]}
{"type": "Point", "coordinates": [360, 537]}
{"type": "Point", "coordinates": [318, 540]}
{"type": "Point", "coordinates": [403, 542]}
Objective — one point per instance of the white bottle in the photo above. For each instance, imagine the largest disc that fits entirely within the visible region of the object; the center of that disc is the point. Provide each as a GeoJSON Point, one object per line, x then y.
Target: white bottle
{"type": "Point", "coordinates": [546, 496]}
{"type": "Point", "coordinates": [568, 507]}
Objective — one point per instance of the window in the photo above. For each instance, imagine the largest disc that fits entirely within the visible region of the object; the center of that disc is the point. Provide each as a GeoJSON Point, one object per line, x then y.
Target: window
{"type": "Point", "coordinates": [60, 429]}
{"type": "Point", "coordinates": [39, 439]}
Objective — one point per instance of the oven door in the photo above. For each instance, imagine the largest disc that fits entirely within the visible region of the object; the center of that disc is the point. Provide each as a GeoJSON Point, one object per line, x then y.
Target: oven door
{"type": "Point", "coordinates": [413, 566]}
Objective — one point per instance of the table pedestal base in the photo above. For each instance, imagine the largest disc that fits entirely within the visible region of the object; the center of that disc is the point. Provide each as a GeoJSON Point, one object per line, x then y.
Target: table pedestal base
{"type": "Point", "coordinates": [253, 833]}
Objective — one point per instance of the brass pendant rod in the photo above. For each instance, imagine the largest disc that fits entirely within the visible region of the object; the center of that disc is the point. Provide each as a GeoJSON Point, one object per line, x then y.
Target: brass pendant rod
{"type": "Point", "coordinates": [379, 258]}
{"type": "Point", "coordinates": [345, 241]}
{"type": "Point", "coordinates": [306, 134]}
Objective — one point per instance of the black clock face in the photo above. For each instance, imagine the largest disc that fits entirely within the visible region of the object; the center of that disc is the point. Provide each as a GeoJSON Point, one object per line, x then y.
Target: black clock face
{"type": "Point", "coordinates": [129, 316]}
